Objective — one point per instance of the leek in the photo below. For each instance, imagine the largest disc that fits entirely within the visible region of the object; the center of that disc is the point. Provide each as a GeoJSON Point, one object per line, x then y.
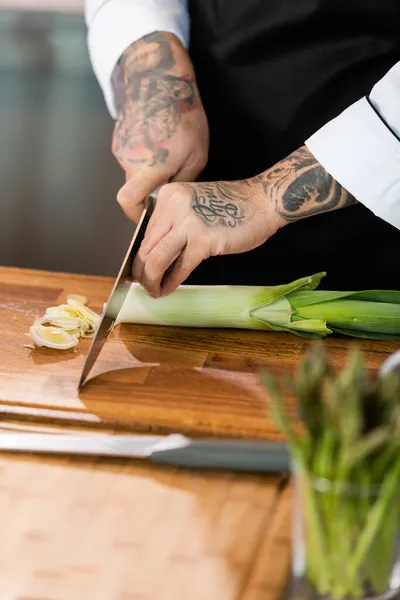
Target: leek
{"type": "Point", "coordinates": [53, 337]}
{"type": "Point", "coordinates": [62, 326]}
{"type": "Point", "coordinates": [297, 307]}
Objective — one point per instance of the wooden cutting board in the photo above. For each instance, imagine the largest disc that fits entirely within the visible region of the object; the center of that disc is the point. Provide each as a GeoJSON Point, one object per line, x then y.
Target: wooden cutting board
{"type": "Point", "coordinates": [200, 382]}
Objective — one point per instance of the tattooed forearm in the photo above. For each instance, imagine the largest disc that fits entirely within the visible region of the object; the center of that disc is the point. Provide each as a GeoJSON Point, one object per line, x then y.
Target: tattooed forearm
{"type": "Point", "coordinates": [157, 94]}
{"type": "Point", "coordinates": [300, 187]}
{"type": "Point", "coordinates": [149, 53]}
{"type": "Point", "coordinates": [221, 203]}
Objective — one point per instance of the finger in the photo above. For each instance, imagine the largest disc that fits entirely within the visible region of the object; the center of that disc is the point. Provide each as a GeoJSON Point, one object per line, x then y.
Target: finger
{"type": "Point", "coordinates": [159, 225]}
{"type": "Point", "coordinates": [188, 260]}
{"type": "Point", "coordinates": [161, 228]}
{"type": "Point", "coordinates": [162, 217]}
{"type": "Point", "coordinates": [132, 195]}
{"type": "Point", "coordinates": [184, 175]}
{"type": "Point", "coordinates": [138, 267]}
{"type": "Point", "coordinates": [190, 170]}
{"type": "Point", "coordinates": [157, 231]}
{"type": "Point", "coordinates": [160, 259]}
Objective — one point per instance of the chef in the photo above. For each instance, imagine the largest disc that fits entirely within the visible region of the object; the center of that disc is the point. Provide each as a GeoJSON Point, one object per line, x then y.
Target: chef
{"type": "Point", "coordinates": [272, 127]}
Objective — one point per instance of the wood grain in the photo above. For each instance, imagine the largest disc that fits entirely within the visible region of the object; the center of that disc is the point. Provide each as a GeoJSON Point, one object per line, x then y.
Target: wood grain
{"type": "Point", "coordinates": [200, 382]}
{"type": "Point", "coordinates": [79, 530]}
{"type": "Point", "coordinates": [270, 570]}
{"type": "Point", "coordinates": [84, 529]}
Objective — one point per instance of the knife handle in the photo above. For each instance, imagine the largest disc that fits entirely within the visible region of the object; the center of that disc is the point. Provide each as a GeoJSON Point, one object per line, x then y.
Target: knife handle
{"type": "Point", "coordinates": [236, 455]}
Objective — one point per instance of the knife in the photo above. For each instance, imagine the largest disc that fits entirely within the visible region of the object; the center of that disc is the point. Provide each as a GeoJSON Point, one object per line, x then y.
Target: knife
{"type": "Point", "coordinates": [119, 292]}
{"type": "Point", "coordinates": [178, 450]}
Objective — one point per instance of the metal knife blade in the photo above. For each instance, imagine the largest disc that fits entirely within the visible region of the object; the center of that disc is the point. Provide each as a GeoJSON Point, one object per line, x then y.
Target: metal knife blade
{"type": "Point", "coordinates": [82, 444]}
{"type": "Point", "coordinates": [207, 453]}
{"type": "Point", "coordinates": [119, 292]}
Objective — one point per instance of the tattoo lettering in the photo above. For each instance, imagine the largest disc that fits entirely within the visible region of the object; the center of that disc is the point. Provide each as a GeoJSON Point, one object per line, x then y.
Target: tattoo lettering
{"type": "Point", "coordinates": [155, 101]}
{"type": "Point", "coordinates": [300, 187]}
{"type": "Point", "coordinates": [218, 203]}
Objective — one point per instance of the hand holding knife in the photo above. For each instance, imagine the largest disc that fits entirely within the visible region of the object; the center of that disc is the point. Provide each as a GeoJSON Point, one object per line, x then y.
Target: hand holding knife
{"type": "Point", "coordinates": [235, 455]}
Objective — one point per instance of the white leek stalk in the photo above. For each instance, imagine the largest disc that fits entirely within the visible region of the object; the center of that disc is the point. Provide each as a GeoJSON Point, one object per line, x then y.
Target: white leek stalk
{"type": "Point", "coordinates": [296, 307]}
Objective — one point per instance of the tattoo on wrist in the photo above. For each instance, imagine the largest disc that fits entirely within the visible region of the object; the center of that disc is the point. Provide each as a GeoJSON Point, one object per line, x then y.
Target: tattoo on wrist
{"type": "Point", "coordinates": [155, 101]}
{"type": "Point", "coordinates": [218, 203]}
{"type": "Point", "coordinates": [300, 187]}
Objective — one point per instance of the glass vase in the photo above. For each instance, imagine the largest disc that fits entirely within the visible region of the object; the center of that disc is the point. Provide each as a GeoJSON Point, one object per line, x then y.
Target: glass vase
{"type": "Point", "coordinates": [345, 538]}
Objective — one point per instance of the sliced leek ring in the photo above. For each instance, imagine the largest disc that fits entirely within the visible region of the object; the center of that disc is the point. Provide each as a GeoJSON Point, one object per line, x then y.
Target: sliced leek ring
{"type": "Point", "coordinates": [73, 315]}
{"type": "Point", "coordinates": [62, 326]}
{"type": "Point", "coordinates": [88, 316]}
{"type": "Point", "coordinates": [52, 337]}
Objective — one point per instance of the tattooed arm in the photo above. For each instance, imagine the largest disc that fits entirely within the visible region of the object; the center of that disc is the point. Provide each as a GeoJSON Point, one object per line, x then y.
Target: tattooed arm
{"type": "Point", "coordinates": [299, 187]}
{"type": "Point", "coordinates": [162, 131]}
{"type": "Point", "coordinates": [194, 221]}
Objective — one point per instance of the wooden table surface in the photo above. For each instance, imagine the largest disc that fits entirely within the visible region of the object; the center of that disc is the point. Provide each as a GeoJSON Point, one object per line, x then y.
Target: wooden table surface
{"type": "Point", "coordinates": [74, 529]}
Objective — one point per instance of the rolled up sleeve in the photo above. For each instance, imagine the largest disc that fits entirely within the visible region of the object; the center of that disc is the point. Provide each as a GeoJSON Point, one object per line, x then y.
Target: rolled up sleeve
{"type": "Point", "coordinates": [113, 25]}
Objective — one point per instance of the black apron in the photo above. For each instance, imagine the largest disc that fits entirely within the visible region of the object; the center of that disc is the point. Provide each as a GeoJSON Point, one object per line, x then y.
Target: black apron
{"type": "Point", "coordinates": [271, 73]}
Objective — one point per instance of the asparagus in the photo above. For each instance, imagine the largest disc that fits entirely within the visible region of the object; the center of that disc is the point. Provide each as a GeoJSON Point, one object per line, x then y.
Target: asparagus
{"type": "Point", "coordinates": [346, 451]}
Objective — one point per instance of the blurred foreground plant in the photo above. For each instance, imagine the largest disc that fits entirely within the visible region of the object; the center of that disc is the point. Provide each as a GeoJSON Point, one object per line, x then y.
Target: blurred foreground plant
{"type": "Point", "coordinates": [345, 446]}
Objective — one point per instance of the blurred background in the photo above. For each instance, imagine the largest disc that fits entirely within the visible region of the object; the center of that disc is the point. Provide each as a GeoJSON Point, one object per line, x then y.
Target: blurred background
{"type": "Point", "coordinates": [58, 178]}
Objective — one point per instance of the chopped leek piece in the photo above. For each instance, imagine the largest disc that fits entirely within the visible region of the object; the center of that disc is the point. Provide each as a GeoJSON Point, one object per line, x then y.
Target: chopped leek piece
{"type": "Point", "coordinates": [52, 337]}
{"type": "Point", "coordinates": [63, 325]}
{"type": "Point", "coordinates": [87, 315]}
{"type": "Point", "coordinates": [71, 316]}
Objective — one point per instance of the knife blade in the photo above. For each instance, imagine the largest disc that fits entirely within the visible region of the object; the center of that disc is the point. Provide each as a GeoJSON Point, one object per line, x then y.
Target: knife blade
{"type": "Point", "coordinates": [175, 449]}
{"type": "Point", "coordinates": [119, 291]}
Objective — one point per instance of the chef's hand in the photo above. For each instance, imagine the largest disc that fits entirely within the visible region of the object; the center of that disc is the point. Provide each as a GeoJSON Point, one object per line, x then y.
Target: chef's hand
{"type": "Point", "coordinates": [192, 222]}
{"type": "Point", "coordinates": [162, 131]}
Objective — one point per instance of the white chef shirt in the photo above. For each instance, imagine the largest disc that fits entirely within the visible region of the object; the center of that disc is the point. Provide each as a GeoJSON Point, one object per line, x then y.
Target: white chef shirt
{"type": "Point", "coordinates": [360, 148]}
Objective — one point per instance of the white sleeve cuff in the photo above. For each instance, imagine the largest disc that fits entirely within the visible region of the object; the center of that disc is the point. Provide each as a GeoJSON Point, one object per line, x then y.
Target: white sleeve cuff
{"type": "Point", "coordinates": [119, 23]}
{"type": "Point", "coordinates": [363, 155]}
{"type": "Point", "coordinates": [385, 97]}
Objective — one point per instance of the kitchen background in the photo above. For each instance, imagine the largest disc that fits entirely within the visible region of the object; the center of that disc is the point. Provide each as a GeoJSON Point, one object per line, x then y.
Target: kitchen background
{"type": "Point", "coordinates": [58, 178]}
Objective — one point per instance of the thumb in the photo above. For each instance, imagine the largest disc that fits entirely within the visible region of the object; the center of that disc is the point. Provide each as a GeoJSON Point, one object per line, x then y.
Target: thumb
{"type": "Point", "coordinates": [140, 184]}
